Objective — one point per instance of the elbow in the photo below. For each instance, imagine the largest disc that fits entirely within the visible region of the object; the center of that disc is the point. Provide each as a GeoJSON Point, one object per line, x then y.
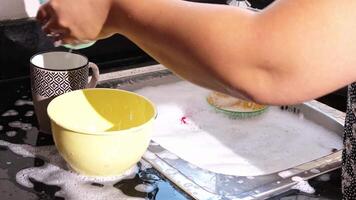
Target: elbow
{"type": "Point", "coordinates": [267, 89]}
{"type": "Point", "coordinates": [281, 95]}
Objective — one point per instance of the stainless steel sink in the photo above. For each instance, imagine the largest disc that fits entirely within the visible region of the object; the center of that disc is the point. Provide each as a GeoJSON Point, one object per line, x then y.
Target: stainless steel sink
{"type": "Point", "coordinates": [202, 184]}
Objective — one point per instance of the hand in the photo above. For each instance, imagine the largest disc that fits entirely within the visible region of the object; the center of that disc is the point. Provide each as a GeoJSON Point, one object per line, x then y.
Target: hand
{"type": "Point", "coordinates": [76, 21]}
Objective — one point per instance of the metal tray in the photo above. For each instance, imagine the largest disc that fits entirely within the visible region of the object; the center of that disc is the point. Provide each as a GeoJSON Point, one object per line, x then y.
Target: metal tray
{"type": "Point", "coordinates": [203, 184]}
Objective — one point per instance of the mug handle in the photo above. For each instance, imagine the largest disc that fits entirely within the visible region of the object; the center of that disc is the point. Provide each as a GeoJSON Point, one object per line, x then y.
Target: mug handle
{"type": "Point", "coordinates": [95, 77]}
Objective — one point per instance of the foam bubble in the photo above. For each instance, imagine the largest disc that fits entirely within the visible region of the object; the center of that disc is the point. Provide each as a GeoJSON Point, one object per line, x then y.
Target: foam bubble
{"type": "Point", "coordinates": [145, 165]}
{"type": "Point", "coordinates": [297, 178]}
{"type": "Point", "coordinates": [145, 188]}
{"type": "Point", "coordinates": [21, 102]}
{"type": "Point", "coordinates": [10, 113]}
{"type": "Point", "coordinates": [74, 186]}
{"type": "Point", "coordinates": [1, 127]}
{"type": "Point", "coordinates": [21, 125]}
{"type": "Point", "coordinates": [324, 178]}
{"type": "Point", "coordinates": [29, 113]}
{"type": "Point", "coordinates": [315, 171]}
{"type": "Point", "coordinates": [242, 147]}
{"type": "Point", "coordinates": [11, 133]}
{"type": "Point", "coordinates": [302, 185]}
{"type": "Point", "coordinates": [15, 124]}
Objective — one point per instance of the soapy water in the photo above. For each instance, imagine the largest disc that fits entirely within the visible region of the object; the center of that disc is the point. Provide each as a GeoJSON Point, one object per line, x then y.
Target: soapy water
{"type": "Point", "coordinates": [73, 185]}
{"type": "Point", "coordinates": [276, 140]}
{"type": "Point", "coordinates": [302, 185]}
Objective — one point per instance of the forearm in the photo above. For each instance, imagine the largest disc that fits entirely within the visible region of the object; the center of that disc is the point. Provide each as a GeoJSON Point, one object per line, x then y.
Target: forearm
{"type": "Point", "coordinates": [193, 40]}
{"type": "Point", "coordinates": [288, 53]}
{"type": "Point", "coordinates": [291, 52]}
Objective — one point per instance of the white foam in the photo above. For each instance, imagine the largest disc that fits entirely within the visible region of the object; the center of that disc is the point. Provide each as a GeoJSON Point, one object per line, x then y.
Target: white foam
{"type": "Point", "coordinates": [302, 185]}
{"type": "Point", "coordinates": [21, 102]}
{"type": "Point", "coordinates": [315, 171]}
{"type": "Point", "coordinates": [145, 188]}
{"type": "Point", "coordinates": [10, 113]}
{"type": "Point", "coordinates": [145, 165]}
{"type": "Point", "coordinates": [1, 127]}
{"type": "Point", "coordinates": [73, 186]}
{"type": "Point", "coordinates": [274, 141]}
{"type": "Point", "coordinates": [11, 133]}
{"type": "Point", "coordinates": [29, 113]}
{"type": "Point", "coordinates": [324, 177]}
{"type": "Point", "coordinates": [21, 125]}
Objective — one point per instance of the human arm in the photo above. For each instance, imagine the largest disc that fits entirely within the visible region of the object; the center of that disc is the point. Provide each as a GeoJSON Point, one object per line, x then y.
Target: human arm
{"type": "Point", "coordinates": [288, 53]}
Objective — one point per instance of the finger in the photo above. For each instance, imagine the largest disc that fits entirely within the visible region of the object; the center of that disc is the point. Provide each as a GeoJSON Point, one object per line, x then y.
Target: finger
{"type": "Point", "coordinates": [44, 13]}
{"type": "Point", "coordinates": [58, 33]}
{"type": "Point", "coordinates": [51, 26]}
{"type": "Point", "coordinates": [57, 43]}
{"type": "Point", "coordinates": [66, 41]}
{"type": "Point", "coordinates": [41, 14]}
{"type": "Point", "coordinates": [59, 38]}
{"type": "Point", "coordinates": [71, 41]}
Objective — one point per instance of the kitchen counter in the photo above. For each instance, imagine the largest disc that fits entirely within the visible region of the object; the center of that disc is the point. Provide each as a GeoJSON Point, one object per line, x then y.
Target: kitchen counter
{"type": "Point", "coordinates": [18, 127]}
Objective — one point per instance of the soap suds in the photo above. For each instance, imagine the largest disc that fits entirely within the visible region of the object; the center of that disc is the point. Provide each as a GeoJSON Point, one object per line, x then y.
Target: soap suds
{"type": "Point", "coordinates": [73, 185]}
{"type": "Point", "coordinates": [10, 113]}
{"type": "Point", "coordinates": [274, 141]}
{"type": "Point", "coordinates": [302, 185]}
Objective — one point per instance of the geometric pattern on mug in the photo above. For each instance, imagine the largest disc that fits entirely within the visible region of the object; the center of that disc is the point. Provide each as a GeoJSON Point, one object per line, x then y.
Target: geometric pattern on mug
{"type": "Point", "coordinates": [54, 83]}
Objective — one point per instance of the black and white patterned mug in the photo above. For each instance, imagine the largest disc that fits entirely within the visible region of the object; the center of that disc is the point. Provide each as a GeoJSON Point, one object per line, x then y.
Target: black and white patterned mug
{"type": "Point", "coordinates": [54, 73]}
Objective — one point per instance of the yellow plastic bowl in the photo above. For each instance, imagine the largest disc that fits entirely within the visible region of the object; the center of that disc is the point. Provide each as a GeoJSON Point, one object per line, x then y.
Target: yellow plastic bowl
{"type": "Point", "coordinates": [101, 132]}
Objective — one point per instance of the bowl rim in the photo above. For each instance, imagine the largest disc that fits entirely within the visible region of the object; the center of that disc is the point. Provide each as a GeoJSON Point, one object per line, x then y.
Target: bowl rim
{"type": "Point", "coordinates": [102, 133]}
{"type": "Point", "coordinates": [239, 112]}
{"type": "Point", "coordinates": [263, 107]}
